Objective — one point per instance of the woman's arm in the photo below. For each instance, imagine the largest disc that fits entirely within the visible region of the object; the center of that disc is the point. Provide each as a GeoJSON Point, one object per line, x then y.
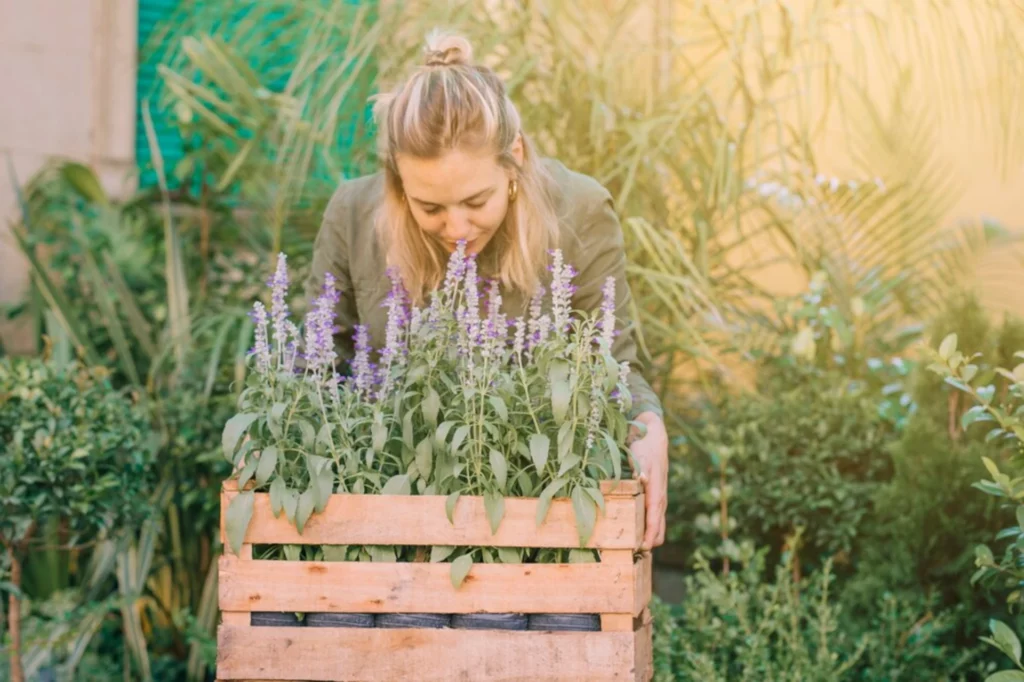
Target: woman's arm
{"type": "Point", "coordinates": [602, 254]}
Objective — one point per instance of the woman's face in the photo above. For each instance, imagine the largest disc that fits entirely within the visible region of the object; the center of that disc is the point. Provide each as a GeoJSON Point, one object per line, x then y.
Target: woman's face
{"type": "Point", "coordinates": [462, 194]}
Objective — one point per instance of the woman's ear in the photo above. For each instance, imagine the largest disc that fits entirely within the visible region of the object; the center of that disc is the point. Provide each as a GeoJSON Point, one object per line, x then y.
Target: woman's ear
{"type": "Point", "coordinates": [518, 150]}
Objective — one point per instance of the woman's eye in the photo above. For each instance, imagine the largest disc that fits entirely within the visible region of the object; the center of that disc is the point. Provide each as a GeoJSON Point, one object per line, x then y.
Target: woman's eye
{"type": "Point", "coordinates": [433, 210]}
{"type": "Point", "coordinates": [480, 204]}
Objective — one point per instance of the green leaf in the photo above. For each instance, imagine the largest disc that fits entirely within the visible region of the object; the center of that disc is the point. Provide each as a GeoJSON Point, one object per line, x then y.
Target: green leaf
{"type": "Point", "coordinates": [442, 432]}
{"type": "Point", "coordinates": [407, 431]}
{"type": "Point", "coordinates": [1020, 516]}
{"type": "Point", "coordinates": [291, 504]}
{"type": "Point", "coordinates": [323, 486]}
{"type": "Point", "coordinates": [499, 467]}
{"type": "Point", "coordinates": [540, 447]}
{"type": "Point", "coordinates": [277, 491]}
{"type": "Point", "coordinates": [947, 347]}
{"type": "Point", "coordinates": [425, 457]}
{"type": "Point", "coordinates": [560, 395]}
{"type": "Point", "coordinates": [84, 182]}
{"type": "Point", "coordinates": [566, 439]}
{"type": "Point", "coordinates": [397, 485]}
{"type": "Point", "coordinates": [499, 406]}
{"type": "Point", "coordinates": [236, 519]}
{"type": "Point", "coordinates": [509, 555]}
{"type": "Point", "coordinates": [382, 554]}
{"type": "Point", "coordinates": [335, 552]}
{"type": "Point", "coordinates": [267, 465]}
{"type": "Point", "coordinates": [233, 431]}
{"type": "Point", "coordinates": [460, 569]}
{"type": "Point", "coordinates": [304, 510]}
{"type": "Point", "coordinates": [247, 472]}
{"type": "Point", "coordinates": [597, 496]}
{"type": "Point", "coordinates": [1006, 639]}
{"type": "Point", "coordinates": [439, 553]}
{"type": "Point", "coordinates": [494, 504]}
{"type": "Point", "coordinates": [1006, 676]}
{"type": "Point", "coordinates": [547, 496]}
{"type": "Point", "coordinates": [449, 505]}
{"type": "Point", "coordinates": [379, 435]}
{"type": "Point", "coordinates": [460, 436]}
{"type": "Point", "coordinates": [581, 556]}
{"type": "Point", "coordinates": [615, 455]}
{"type": "Point", "coordinates": [978, 413]}
{"type": "Point", "coordinates": [586, 514]}
{"type": "Point", "coordinates": [991, 466]}
{"type": "Point", "coordinates": [569, 463]}
{"type": "Point", "coordinates": [308, 435]}
{"type": "Point", "coordinates": [986, 393]}
{"type": "Point", "coordinates": [431, 406]}
{"type": "Point", "coordinates": [292, 552]}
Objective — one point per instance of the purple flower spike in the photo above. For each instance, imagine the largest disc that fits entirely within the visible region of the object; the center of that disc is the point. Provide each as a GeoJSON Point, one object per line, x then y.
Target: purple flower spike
{"type": "Point", "coordinates": [362, 369]}
{"type": "Point", "coordinates": [320, 354]}
{"type": "Point", "coordinates": [262, 348]}
{"type": "Point", "coordinates": [278, 305]}
{"type": "Point", "coordinates": [608, 313]}
{"type": "Point", "coordinates": [561, 293]}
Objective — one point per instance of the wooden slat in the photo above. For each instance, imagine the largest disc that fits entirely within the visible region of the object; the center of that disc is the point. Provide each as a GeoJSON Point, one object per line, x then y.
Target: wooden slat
{"type": "Point", "coordinates": [642, 586]}
{"type": "Point", "coordinates": [643, 652]}
{"type": "Point", "coordinates": [424, 588]}
{"type": "Point", "coordinates": [372, 655]}
{"type": "Point", "coordinates": [627, 487]}
{"type": "Point", "coordinates": [421, 521]}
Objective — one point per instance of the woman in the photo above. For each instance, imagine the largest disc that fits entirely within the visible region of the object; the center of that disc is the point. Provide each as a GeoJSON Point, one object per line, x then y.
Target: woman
{"type": "Point", "coordinates": [457, 166]}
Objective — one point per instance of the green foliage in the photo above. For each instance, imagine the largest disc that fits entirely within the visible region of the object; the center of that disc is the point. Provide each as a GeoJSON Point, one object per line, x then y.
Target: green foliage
{"type": "Point", "coordinates": [748, 626]}
{"type": "Point", "coordinates": [805, 452]}
{"type": "Point", "coordinates": [75, 450]}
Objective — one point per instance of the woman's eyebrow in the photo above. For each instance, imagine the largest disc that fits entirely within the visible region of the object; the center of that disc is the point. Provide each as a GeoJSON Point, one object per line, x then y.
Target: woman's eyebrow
{"type": "Point", "coordinates": [478, 195]}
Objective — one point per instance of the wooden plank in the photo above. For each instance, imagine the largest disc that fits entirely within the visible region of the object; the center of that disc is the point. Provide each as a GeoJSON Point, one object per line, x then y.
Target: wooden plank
{"type": "Point", "coordinates": [421, 521]}
{"type": "Point", "coordinates": [372, 655]}
{"type": "Point", "coordinates": [642, 585]}
{"type": "Point", "coordinates": [424, 588]}
{"type": "Point", "coordinates": [627, 487]}
{"type": "Point", "coordinates": [643, 652]}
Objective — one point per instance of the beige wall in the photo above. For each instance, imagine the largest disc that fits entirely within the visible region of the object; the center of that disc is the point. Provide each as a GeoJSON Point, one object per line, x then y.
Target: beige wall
{"type": "Point", "coordinates": [67, 89]}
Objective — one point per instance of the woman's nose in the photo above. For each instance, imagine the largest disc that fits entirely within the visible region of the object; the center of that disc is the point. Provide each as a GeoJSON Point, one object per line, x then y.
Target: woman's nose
{"type": "Point", "coordinates": [458, 226]}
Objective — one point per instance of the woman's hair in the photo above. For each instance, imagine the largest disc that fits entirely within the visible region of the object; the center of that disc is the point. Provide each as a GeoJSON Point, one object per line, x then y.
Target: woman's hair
{"type": "Point", "coordinates": [445, 104]}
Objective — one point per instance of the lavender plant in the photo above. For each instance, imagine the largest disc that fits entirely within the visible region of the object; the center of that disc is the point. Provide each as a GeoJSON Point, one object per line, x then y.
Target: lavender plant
{"type": "Point", "coordinates": [459, 401]}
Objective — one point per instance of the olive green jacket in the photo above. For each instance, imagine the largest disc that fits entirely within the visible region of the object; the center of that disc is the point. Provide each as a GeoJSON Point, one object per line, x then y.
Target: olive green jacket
{"type": "Point", "coordinates": [591, 241]}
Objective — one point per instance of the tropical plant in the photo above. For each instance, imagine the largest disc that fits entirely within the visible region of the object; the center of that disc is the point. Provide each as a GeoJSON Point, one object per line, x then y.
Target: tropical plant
{"type": "Point", "coordinates": [77, 453]}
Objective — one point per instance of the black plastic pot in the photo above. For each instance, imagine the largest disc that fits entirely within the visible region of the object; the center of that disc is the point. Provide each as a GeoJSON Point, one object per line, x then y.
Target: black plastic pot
{"type": "Point", "coordinates": [339, 620]}
{"type": "Point", "coordinates": [413, 620]}
{"type": "Point", "coordinates": [275, 619]}
{"type": "Point", "coordinates": [490, 621]}
{"type": "Point", "coordinates": [565, 622]}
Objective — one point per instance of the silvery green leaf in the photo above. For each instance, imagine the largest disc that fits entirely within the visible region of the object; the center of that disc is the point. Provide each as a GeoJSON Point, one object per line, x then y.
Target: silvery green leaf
{"type": "Point", "coordinates": [560, 395]}
{"type": "Point", "coordinates": [449, 505]}
{"type": "Point", "coordinates": [439, 553]}
{"type": "Point", "coordinates": [499, 467]}
{"type": "Point", "coordinates": [442, 432]}
{"type": "Point", "coordinates": [236, 519]}
{"type": "Point", "coordinates": [499, 406]}
{"type": "Point", "coordinates": [407, 431]}
{"type": "Point", "coordinates": [382, 553]}
{"type": "Point", "coordinates": [266, 465]}
{"type": "Point", "coordinates": [947, 347]}
{"type": "Point", "coordinates": [597, 496]}
{"type": "Point", "coordinates": [614, 455]}
{"type": "Point", "coordinates": [233, 431]}
{"type": "Point", "coordinates": [274, 421]}
{"type": "Point", "coordinates": [546, 497]}
{"type": "Point", "coordinates": [247, 472]}
{"type": "Point", "coordinates": [494, 504]}
{"type": "Point", "coordinates": [1005, 675]}
{"type": "Point", "coordinates": [397, 485]}
{"type": "Point", "coordinates": [431, 406]}
{"type": "Point", "coordinates": [569, 463]}
{"type": "Point", "coordinates": [335, 552]}
{"type": "Point", "coordinates": [379, 435]}
{"type": "Point", "coordinates": [277, 491]}
{"type": "Point", "coordinates": [581, 556]}
{"type": "Point", "coordinates": [1006, 639]}
{"type": "Point", "coordinates": [308, 435]}
{"type": "Point", "coordinates": [509, 555]}
{"type": "Point", "coordinates": [460, 436]}
{"type": "Point", "coordinates": [566, 440]}
{"type": "Point", "coordinates": [425, 457]}
{"type": "Point", "coordinates": [323, 439]}
{"type": "Point", "coordinates": [291, 504]}
{"type": "Point", "coordinates": [316, 464]}
{"type": "Point", "coordinates": [540, 446]}
{"type": "Point", "coordinates": [304, 509]}
{"type": "Point", "coordinates": [292, 552]}
{"type": "Point", "coordinates": [460, 569]}
{"type": "Point", "coordinates": [323, 487]}
{"type": "Point", "coordinates": [586, 514]}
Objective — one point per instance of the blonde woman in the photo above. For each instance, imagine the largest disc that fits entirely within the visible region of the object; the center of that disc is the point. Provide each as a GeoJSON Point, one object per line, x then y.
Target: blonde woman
{"type": "Point", "coordinates": [457, 166]}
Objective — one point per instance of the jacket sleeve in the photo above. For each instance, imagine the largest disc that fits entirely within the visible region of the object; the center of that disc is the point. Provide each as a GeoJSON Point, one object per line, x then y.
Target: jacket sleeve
{"type": "Point", "coordinates": [601, 254]}
{"type": "Point", "coordinates": [331, 254]}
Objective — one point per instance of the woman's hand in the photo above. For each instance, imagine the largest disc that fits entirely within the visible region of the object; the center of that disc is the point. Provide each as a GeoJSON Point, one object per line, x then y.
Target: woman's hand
{"type": "Point", "coordinates": [651, 453]}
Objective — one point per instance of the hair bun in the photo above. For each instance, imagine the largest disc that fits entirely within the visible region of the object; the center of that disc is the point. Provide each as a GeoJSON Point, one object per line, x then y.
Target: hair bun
{"type": "Point", "coordinates": [444, 49]}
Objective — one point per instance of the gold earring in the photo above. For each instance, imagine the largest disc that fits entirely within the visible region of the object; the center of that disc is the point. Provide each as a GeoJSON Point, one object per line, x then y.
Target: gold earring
{"type": "Point", "coordinates": [513, 190]}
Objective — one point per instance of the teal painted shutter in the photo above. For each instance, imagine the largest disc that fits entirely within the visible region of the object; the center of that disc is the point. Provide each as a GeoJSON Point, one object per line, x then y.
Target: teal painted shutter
{"type": "Point", "coordinates": [356, 135]}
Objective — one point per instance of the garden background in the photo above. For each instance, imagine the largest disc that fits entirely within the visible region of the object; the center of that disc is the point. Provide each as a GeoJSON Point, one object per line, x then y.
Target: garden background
{"type": "Point", "coordinates": [815, 194]}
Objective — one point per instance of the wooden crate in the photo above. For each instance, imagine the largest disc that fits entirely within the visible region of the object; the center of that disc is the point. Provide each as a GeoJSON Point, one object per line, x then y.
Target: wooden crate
{"type": "Point", "coordinates": [618, 587]}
